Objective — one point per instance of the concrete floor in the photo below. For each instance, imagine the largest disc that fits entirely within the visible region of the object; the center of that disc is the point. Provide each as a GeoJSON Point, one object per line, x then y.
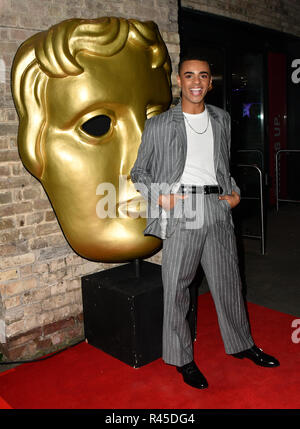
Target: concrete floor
{"type": "Point", "coordinates": [273, 279]}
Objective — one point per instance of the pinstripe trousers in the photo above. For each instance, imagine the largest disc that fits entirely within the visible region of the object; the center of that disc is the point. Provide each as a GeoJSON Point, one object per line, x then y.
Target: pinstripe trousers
{"type": "Point", "coordinates": [214, 246]}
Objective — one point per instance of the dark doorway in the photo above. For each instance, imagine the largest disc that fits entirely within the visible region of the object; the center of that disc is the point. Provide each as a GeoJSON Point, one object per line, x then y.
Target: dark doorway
{"type": "Point", "coordinates": [243, 84]}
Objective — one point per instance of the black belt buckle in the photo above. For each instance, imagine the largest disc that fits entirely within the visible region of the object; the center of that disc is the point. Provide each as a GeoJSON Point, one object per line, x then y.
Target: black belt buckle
{"type": "Point", "coordinates": [212, 189]}
{"type": "Point", "coordinates": [207, 189]}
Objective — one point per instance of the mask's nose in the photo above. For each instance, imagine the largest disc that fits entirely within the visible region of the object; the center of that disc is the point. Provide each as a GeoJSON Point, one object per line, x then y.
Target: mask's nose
{"type": "Point", "coordinates": [133, 135]}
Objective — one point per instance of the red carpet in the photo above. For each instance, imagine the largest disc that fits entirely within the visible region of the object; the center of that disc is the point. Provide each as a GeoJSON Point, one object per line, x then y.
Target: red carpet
{"type": "Point", "coordinates": [84, 377]}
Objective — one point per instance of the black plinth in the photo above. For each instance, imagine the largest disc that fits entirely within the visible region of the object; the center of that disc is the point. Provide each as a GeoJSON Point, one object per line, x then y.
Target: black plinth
{"type": "Point", "coordinates": [123, 312]}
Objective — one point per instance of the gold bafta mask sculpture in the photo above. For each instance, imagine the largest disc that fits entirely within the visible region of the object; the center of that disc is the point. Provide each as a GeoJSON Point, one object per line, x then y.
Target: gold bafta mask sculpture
{"type": "Point", "coordinates": [83, 90]}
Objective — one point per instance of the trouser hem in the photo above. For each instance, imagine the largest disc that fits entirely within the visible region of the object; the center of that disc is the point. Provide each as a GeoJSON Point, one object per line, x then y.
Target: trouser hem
{"type": "Point", "coordinates": [239, 350]}
{"type": "Point", "coordinates": [177, 364]}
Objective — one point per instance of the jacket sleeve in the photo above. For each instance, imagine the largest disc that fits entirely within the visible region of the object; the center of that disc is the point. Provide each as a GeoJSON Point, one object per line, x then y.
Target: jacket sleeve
{"type": "Point", "coordinates": [141, 173]}
{"type": "Point", "coordinates": [228, 134]}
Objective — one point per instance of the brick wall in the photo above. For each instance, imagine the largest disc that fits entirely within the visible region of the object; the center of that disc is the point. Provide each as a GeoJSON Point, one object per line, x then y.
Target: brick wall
{"type": "Point", "coordinates": [40, 276]}
{"type": "Point", "coordinates": [280, 15]}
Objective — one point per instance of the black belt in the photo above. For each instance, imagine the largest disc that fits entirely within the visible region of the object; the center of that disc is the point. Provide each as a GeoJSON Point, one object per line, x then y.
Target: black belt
{"type": "Point", "coordinates": [206, 189]}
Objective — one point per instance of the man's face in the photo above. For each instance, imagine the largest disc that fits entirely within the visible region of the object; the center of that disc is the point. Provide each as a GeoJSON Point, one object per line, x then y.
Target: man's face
{"type": "Point", "coordinates": [195, 81]}
{"type": "Point", "coordinates": [116, 93]}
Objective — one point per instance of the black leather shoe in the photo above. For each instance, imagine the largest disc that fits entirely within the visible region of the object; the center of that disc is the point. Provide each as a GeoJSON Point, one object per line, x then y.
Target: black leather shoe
{"type": "Point", "coordinates": [258, 357]}
{"type": "Point", "coordinates": [192, 375]}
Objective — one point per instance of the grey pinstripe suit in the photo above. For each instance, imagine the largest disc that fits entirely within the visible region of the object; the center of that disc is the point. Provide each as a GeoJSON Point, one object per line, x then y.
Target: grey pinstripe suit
{"type": "Point", "coordinates": [159, 165]}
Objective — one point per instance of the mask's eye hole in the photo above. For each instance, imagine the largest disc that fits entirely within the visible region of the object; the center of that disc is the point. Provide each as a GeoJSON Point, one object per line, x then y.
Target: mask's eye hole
{"type": "Point", "coordinates": [97, 126]}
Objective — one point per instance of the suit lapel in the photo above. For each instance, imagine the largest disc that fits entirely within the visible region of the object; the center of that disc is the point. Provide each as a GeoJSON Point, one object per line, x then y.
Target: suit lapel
{"type": "Point", "coordinates": [180, 131]}
{"type": "Point", "coordinates": [216, 128]}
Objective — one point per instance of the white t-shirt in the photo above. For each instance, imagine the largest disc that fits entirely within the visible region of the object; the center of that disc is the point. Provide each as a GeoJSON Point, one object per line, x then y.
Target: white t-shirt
{"type": "Point", "coordinates": [199, 168]}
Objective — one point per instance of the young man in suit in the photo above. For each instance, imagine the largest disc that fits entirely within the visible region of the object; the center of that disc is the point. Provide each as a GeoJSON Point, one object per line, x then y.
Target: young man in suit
{"type": "Point", "coordinates": [182, 169]}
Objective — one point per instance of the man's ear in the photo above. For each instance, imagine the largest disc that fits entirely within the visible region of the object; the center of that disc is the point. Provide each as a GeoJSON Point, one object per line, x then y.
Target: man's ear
{"type": "Point", "coordinates": [28, 87]}
{"type": "Point", "coordinates": [178, 81]}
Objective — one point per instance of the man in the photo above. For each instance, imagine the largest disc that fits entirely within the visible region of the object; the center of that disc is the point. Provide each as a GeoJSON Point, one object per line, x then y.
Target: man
{"type": "Point", "coordinates": [187, 151]}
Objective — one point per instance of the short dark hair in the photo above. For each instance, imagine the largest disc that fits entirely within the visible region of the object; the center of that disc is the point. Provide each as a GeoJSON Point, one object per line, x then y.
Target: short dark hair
{"type": "Point", "coordinates": [193, 57]}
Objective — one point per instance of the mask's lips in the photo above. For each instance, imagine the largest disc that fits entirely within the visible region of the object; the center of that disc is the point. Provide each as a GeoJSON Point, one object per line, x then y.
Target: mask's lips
{"type": "Point", "coordinates": [134, 207]}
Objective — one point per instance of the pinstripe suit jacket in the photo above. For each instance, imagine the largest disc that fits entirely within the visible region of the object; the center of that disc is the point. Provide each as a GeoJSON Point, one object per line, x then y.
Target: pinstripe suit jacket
{"type": "Point", "coordinates": [162, 155]}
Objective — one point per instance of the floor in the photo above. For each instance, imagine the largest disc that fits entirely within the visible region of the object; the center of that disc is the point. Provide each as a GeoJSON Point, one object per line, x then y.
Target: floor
{"type": "Point", "coordinates": [271, 280]}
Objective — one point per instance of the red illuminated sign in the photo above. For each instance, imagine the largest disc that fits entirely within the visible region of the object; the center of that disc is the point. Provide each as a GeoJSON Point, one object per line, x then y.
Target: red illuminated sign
{"type": "Point", "coordinates": [277, 121]}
